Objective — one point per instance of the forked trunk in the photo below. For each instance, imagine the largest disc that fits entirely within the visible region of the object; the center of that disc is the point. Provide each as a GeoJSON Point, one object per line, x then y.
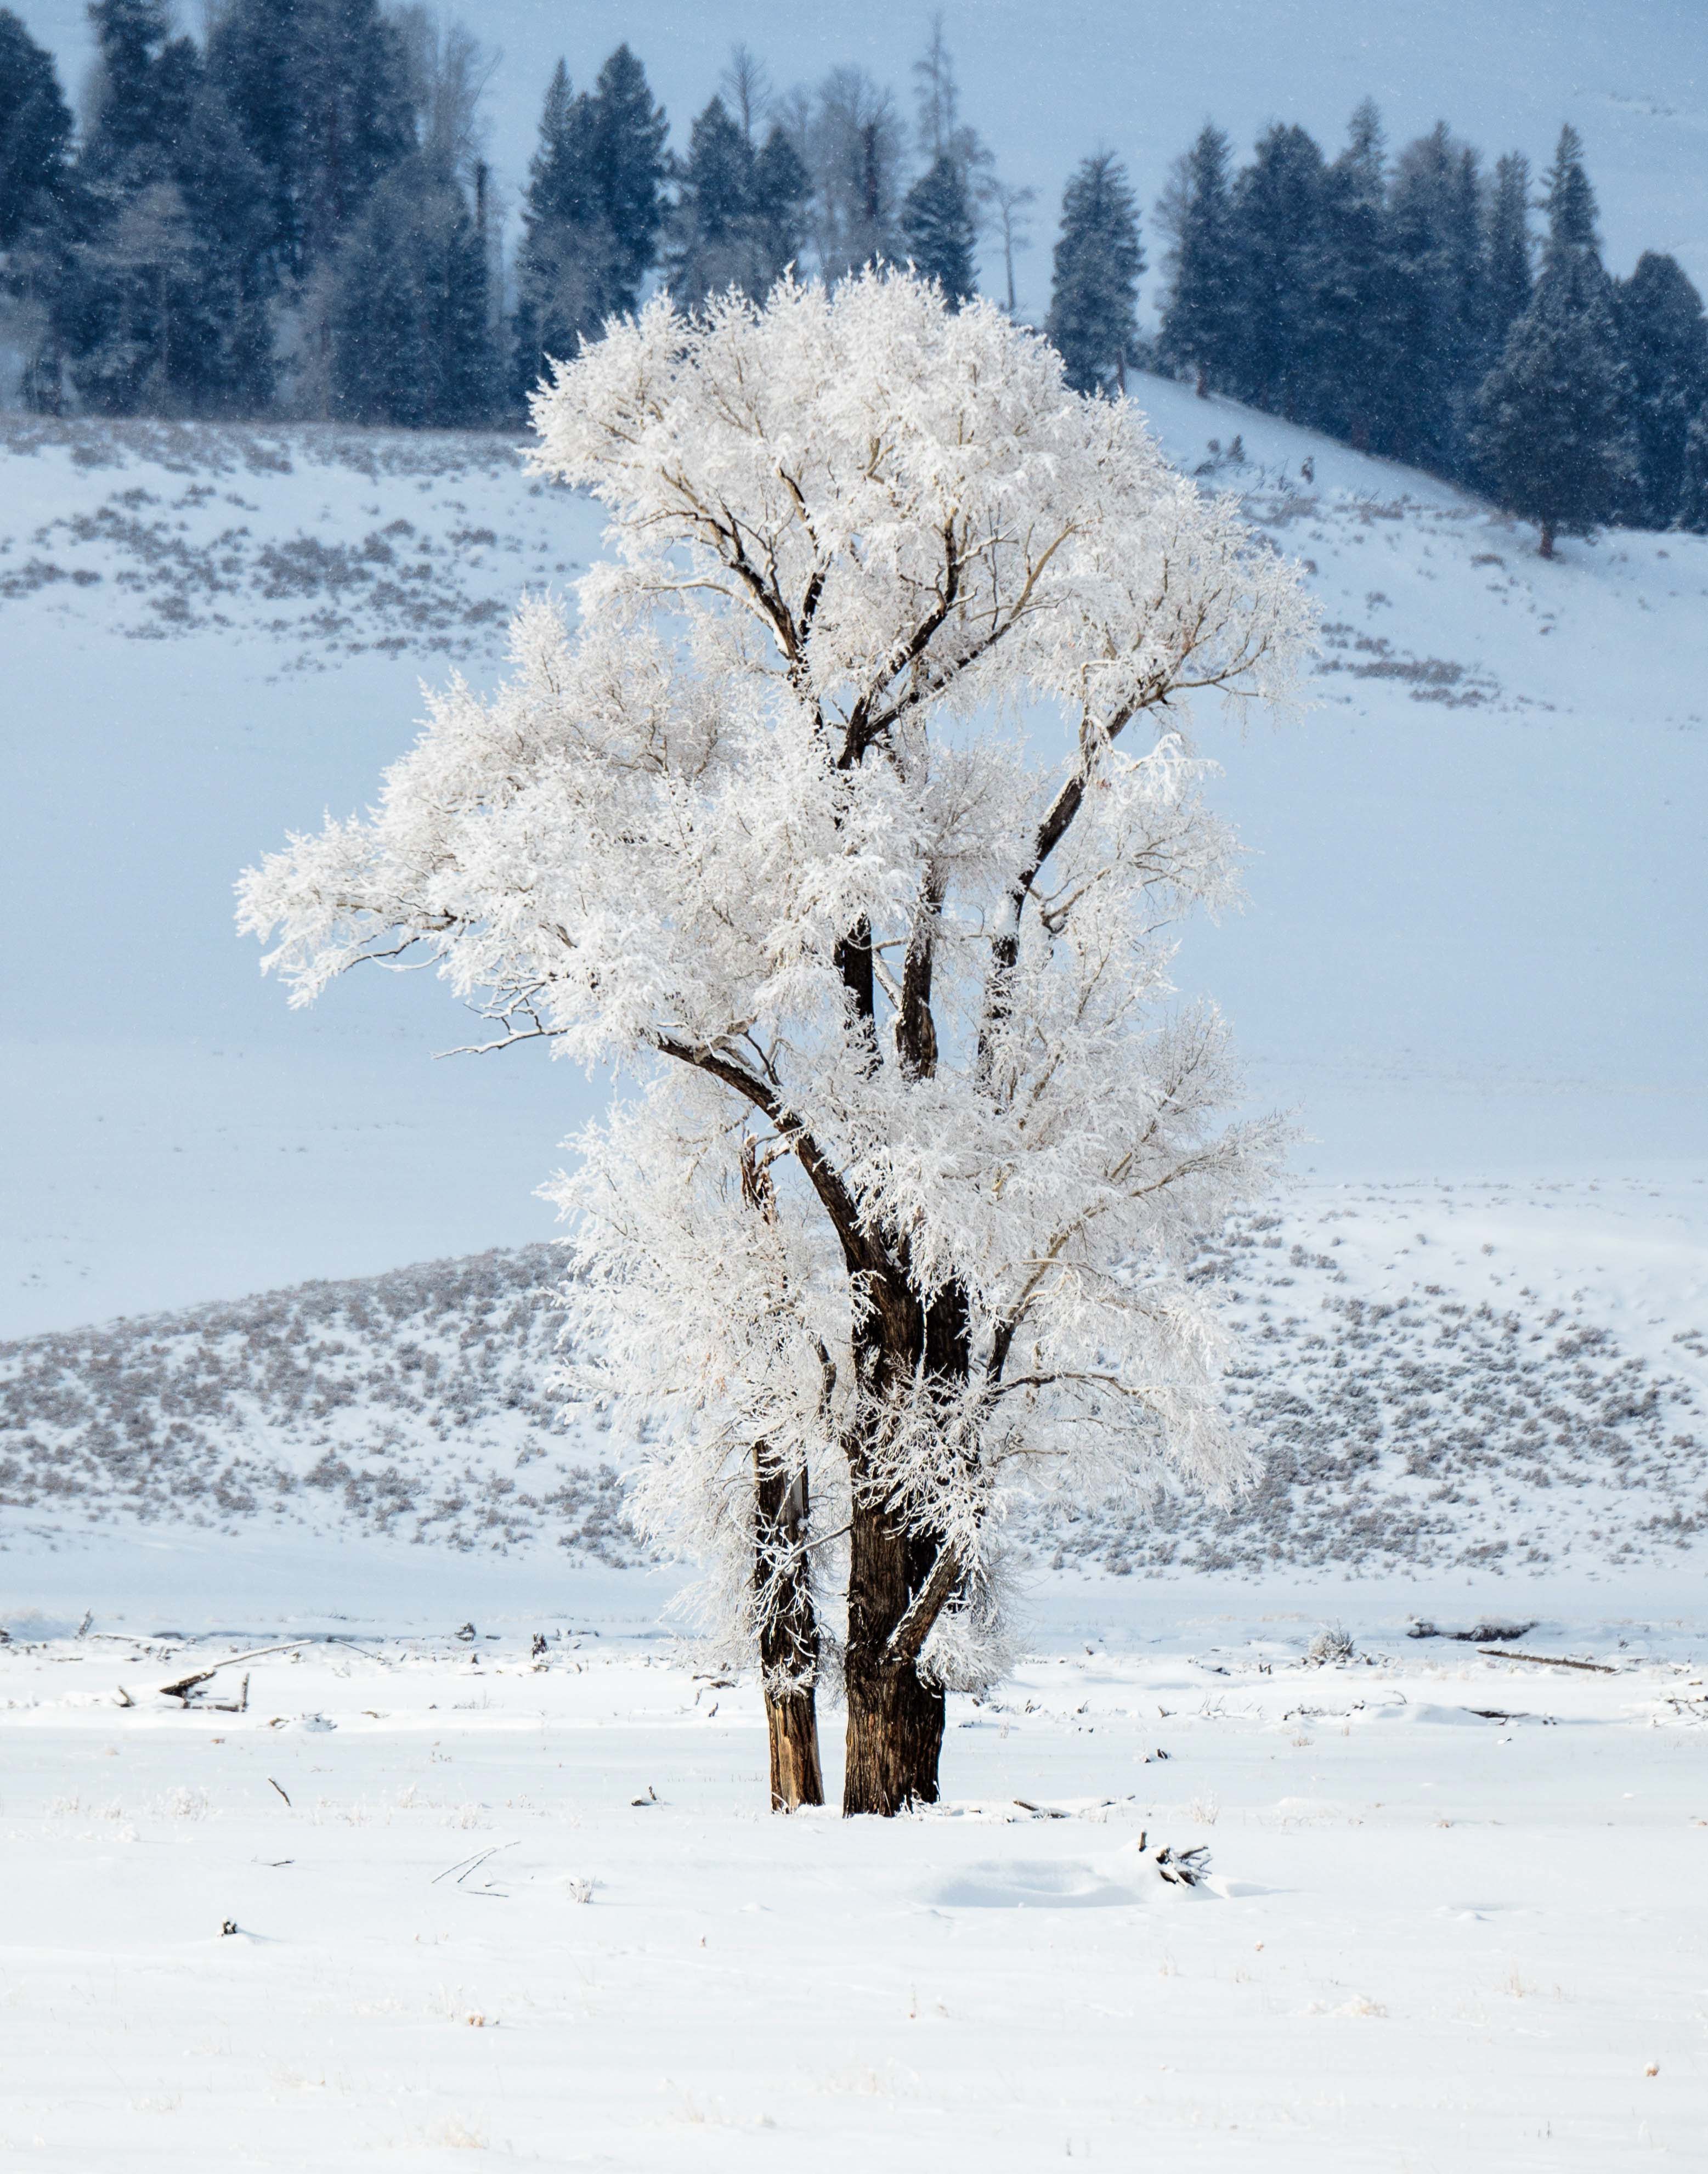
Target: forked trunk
{"type": "Point", "coordinates": [895, 1719]}
{"type": "Point", "coordinates": [788, 1626]}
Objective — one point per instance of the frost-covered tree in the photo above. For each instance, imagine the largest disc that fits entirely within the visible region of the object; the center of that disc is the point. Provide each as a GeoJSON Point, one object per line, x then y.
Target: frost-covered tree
{"type": "Point", "coordinates": [850, 822]}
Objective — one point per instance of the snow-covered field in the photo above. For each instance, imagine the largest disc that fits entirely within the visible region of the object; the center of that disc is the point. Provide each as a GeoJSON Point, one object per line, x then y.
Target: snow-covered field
{"type": "Point", "coordinates": [1455, 1916]}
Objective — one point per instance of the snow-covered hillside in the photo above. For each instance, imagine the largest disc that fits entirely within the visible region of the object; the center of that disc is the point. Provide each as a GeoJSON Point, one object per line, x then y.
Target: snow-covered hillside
{"type": "Point", "coordinates": [1470, 962]}
{"type": "Point", "coordinates": [211, 635]}
{"type": "Point", "coordinates": [1473, 1378]}
{"type": "Point", "coordinates": [300, 538]}
{"type": "Point", "coordinates": [1475, 881]}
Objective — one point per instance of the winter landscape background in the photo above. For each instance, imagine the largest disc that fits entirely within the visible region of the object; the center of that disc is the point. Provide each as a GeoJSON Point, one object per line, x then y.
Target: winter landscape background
{"type": "Point", "coordinates": [1454, 1918]}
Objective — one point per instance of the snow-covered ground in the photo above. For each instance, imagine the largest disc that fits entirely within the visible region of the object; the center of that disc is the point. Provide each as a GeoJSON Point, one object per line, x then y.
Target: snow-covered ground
{"type": "Point", "coordinates": [1455, 1915]}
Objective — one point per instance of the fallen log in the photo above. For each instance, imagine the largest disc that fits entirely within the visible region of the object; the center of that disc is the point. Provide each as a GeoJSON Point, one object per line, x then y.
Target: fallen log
{"type": "Point", "coordinates": [1548, 1661]}
{"type": "Point", "coordinates": [185, 1684]}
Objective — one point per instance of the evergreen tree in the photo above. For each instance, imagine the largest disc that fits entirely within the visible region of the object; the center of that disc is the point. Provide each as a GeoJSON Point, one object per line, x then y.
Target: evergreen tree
{"type": "Point", "coordinates": [1437, 223]}
{"type": "Point", "coordinates": [165, 305]}
{"type": "Point", "coordinates": [1277, 229]}
{"type": "Point", "coordinates": [1356, 297]}
{"type": "Point", "coordinates": [140, 91]}
{"type": "Point", "coordinates": [38, 214]}
{"type": "Point", "coordinates": [254, 58]}
{"type": "Point", "coordinates": [34, 132]}
{"type": "Point", "coordinates": [1093, 304]}
{"type": "Point", "coordinates": [628, 169]}
{"type": "Point", "coordinates": [1692, 488]}
{"type": "Point", "coordinates": [1506, 276]}
{"type": "Point", "coordinates": [1551, 429]}
{"type": "Point", "coordinates": [1664, 336]}
{"type": "Point", "coordinates": [224, 362]}
{"type": "Point", "coordinates": [590, 214]}
{"type": "Point", "coordinates": [319, 89]}
{"type": "Point", "coordinates": [937, 227]}
{"type": "Point", "coordinates": [1200, 324]}
{"type": "Point", "coordinates": [408, 312]}
{"type": "Point", "coordinates": [739, 216]}
{"type": "Point", "coordinates": [567, 278]}
{"type": "Point", "coordinates": [782, 190]}
{"type": "Point", "coordinates": [713, 220]}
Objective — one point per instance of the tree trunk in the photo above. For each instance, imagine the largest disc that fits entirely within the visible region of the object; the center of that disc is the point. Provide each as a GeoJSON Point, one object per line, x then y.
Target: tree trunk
{"type": "Point", "coordinates": [1203, 383]}
{"type": "Point", "coordinates": [792, 1719]}
{"type": "Point", "coordinates": [788, 1632]}
{"type": "Point", "coordinates": [1545, 547]}
{"type": "Point", "coordinates": [895, 1721]}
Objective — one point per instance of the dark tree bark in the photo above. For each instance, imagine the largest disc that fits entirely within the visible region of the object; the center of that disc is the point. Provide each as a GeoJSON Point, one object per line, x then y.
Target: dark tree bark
{"type": "Point", "coordinates": [788, 1634]}
{"type": "Point", "coordinates": [791, 1722]}
{"type": "Point", "coordinates": [895, 1720]}
{"type": "Point", "coordinates": [1545, 547]}
{"type": "Point", "coordinates": [898, 1578]}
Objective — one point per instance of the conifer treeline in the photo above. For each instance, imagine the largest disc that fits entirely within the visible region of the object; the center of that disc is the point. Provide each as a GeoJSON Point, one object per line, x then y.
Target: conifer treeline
{"type": "Point", "coordinates": [1398, 306]}
{"type": "Point", "coordinates": [295, 216]}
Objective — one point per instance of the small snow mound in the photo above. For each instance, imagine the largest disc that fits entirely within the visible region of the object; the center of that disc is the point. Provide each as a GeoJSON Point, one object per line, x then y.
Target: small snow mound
{"type": "Point", "coordinates": [1031, 1884]}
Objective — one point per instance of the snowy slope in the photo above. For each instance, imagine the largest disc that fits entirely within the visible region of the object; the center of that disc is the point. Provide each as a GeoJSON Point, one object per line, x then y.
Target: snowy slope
{"type": "Point", "coordinates": [1507, 1381]}
{"type": "Point", "coordinates": [1047, 85]}
{"type": "Point", "coordinates": [1476, 874]}
{"type": "Point", "coordinates": [1479, 865]}
{"type": "Point", "coordinates": [211, 636]}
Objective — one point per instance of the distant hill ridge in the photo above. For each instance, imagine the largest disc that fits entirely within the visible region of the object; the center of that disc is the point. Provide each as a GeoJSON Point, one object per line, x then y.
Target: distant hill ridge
{"type": "Point", "coordinates": [1427, 1427]}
